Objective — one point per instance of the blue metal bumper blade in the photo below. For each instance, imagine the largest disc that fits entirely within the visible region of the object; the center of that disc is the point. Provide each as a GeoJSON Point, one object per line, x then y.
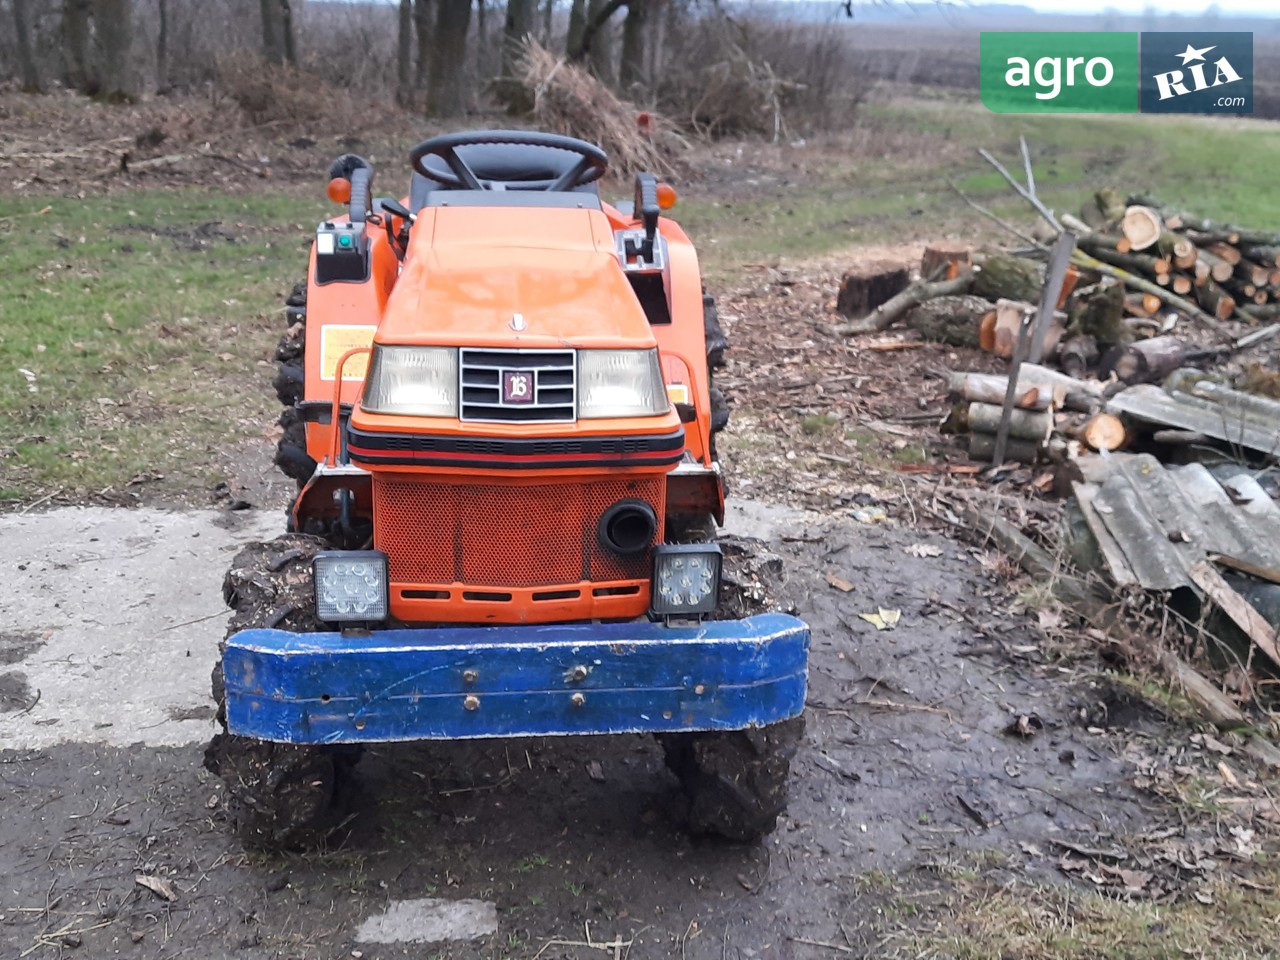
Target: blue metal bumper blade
{"type": "Point", "coordinates": [464, 682]}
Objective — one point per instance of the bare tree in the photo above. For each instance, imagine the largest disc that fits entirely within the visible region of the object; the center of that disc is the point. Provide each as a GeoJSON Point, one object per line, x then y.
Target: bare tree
{"type": "Point", "coordinates": [75, 39]}
{"type": "Point", "coordinates": [482, 38]}
{"type": "Point", "coordinates": [577, 23]}
{"type": "Point", "coordinates": [162, 47]}
{"type": "Point", "coordinates": [26, 54]}
{"type": "Point", "coordinates": [518, 25]}
{"type": "Point", "coordinates": [277, 31]}
{"type": "Point", "coordinates": [445, 91]}
{"type": "Point", "coordinates": [113, 26]}
{"type": "Point", "coordinates": [424, 24]}
{"type": "Point", "coordinates": [631, 65]}
{"type": "Point", "coordinates": [286, 32]}
{"type": "Point", "coordinates": [595, 44]}
{"type": "Point", "coordinates": [404, 54]}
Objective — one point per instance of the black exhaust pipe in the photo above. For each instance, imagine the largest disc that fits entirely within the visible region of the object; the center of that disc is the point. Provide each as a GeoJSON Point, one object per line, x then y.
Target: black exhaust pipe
{"type": "Point", "coordinates": [627, 527]}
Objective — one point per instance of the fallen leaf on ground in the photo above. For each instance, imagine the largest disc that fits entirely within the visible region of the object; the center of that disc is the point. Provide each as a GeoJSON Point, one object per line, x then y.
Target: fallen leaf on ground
{"type": "Point", "coordinates": [882, 619]}
{"type": "Point", "coordinates": [1211, 743]}
{"type": "Point", "coordinates": [869, 514]}
{"type": "Point", "coordinates": [1134, 879]}
{"type": "Point", "coordinates": [1025, 725]}
{"type": "Point", "coordinates": [923, 550]}
{"type": "Point", "coordinates": [840, 584]}
{"type": "Point", "coordinates": [159, 886]}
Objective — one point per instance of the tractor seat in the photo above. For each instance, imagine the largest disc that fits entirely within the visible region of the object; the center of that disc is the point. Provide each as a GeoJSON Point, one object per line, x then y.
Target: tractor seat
{"type": "Point", "coordinates": [511, 164]}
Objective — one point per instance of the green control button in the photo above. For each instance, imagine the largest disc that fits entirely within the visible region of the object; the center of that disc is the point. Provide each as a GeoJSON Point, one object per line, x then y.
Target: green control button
{"type": "Point", "coordinates": [344, 240]}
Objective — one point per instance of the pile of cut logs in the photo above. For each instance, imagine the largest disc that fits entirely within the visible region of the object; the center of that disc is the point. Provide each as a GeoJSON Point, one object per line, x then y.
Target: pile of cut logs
{"type": "Point", "coordinates": [1147, 291]}
{"type": "Point", "coordinates": [1053, 413]}
{"type": "Point", "coordinates": [1227, 270]}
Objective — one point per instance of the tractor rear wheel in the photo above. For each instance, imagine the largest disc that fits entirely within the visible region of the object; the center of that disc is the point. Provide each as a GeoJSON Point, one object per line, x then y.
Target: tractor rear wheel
{"type": "Point", "coordinates": [291, 450]}
{"type": "Point", "coordinates": [716, 346]}
{"type": "Point", "coordinates": [280, 795]}
{"type": "Point", "coordinates": [736, 781]}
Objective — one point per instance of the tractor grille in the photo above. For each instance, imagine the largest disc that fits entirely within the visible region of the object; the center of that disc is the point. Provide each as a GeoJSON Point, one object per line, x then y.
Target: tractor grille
{"type": "Point", "coordinates": [524, 385]}
{"type": "Point", "coordinates": [504, 535]}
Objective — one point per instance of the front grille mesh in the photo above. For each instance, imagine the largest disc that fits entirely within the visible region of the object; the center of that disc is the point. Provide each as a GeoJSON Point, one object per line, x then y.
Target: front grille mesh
{"type": "Point", "coordinates": [504, 535]}
{"type": "Point", "coordinates": [552, 380]}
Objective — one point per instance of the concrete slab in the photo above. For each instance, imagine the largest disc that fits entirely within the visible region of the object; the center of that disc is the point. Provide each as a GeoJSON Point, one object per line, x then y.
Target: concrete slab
{"type": "Point", "coordinates": [110, 618]}
{"type": "Point", "coordinates": [764, 521]}
{"type": "Point", "coordinates": [110, 621]}
{"type": "Point", "coordinates": [430, 920]}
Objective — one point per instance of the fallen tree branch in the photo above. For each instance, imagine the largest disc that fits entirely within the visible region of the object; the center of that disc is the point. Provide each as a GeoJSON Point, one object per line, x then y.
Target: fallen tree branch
{"type": "Point", "coordinates": [895, 308]}
{"type": "Point", "coordinates": [998, 221]}
{"type": "Point", "coordinates": [1026, 195]}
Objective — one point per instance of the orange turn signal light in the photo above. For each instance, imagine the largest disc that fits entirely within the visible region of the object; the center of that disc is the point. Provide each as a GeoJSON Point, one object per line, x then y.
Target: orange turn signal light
{"type": "Point", "coordinates": [339, 190]}
{"type": "Point", "coordinates": [666, 196]}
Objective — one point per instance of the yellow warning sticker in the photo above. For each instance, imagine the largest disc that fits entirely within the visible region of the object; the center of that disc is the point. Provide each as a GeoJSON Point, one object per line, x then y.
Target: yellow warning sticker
{"type": "Point", "coordinates": [678, 392]}
{"type": "Point", "coordinates": [335, 340]}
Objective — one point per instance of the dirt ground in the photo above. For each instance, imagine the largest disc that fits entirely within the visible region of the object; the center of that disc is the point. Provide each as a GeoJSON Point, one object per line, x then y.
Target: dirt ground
{"type": "Point", "coordinates": [981, 736]}
{"type": "Point", "coordinates": [906, 766]}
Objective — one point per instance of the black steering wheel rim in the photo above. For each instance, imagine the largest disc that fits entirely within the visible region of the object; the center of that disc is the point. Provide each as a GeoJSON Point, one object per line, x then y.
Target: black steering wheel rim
{"type": "Point", "coordinates": [591, 166]}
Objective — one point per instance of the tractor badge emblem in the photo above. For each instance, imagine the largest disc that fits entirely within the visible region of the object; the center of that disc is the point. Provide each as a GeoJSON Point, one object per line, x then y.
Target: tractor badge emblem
{"type": "Point", "coordinates": [517, 386]}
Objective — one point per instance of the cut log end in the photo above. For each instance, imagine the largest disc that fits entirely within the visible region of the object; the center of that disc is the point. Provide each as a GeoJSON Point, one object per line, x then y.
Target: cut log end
{"type": "Point", "coordinates": [943, 263]}
{"type": "Point", "coordinates": [1141, 226]}
{"type": "Point", "coordinates": [1104, 431]}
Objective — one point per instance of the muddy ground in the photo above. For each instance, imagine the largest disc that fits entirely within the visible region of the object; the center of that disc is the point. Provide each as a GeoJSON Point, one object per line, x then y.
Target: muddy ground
{"type": "Point", "coordinates": [907, 769]}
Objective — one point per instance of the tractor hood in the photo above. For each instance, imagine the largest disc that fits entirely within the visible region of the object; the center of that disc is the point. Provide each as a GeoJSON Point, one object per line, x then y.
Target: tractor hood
{"type": "Point", "coordinates": [515, 277]}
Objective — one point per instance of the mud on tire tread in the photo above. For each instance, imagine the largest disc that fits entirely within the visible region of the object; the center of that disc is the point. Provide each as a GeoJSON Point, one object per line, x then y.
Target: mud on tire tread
{"type": "Point", "coordinates": [281, 796]}
{"type": "Point", "coordinates": [716, 346]}
{"type": "Point", "coordinates": [289, 383]}
{"type": "Point", "coordinates": [736, 781]}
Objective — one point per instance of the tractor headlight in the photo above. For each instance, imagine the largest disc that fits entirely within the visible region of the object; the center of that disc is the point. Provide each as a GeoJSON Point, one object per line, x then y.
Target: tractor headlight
{"type": "Point", "coordinates": [415, 381]}
{"type": "Point", "coordinates": [620, 383]}
{"type": "Point", "coordinates": [351, 585]}
{"type": "Point", "coordinates": [686, 579]}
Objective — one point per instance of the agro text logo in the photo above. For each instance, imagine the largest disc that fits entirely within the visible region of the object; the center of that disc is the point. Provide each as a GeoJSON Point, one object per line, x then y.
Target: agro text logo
{"type": "Point", "coordinates": [1068, 72]}
{"type": "Point", "coordinates": [1197, 73]}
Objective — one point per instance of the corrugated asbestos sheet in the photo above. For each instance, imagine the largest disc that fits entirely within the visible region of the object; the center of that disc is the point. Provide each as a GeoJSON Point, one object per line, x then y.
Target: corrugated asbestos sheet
{"type": "Point", "coordinates": [1153, 523]}
{"type": "Point", "coordinates": [1236, 418]}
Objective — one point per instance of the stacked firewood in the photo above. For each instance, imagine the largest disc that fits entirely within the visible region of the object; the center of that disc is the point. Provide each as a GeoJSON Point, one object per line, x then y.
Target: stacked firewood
{"type": "Point", "coordinates": [1226, 270]}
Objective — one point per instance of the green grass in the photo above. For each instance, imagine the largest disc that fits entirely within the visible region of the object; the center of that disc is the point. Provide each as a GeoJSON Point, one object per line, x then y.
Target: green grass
{"type": "Point", "coordinates": [980, 920]}
{"type": "Point", "coordinates": [151, 352]}
{"type": "Point", "coordinates": [1220, 170]}
{"type": "Point", "coordinates": [141, 333]}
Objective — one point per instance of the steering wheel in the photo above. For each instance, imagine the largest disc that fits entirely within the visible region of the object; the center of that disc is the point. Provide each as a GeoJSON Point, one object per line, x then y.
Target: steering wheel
{"type": "Point", "coordinates": [591, 166]}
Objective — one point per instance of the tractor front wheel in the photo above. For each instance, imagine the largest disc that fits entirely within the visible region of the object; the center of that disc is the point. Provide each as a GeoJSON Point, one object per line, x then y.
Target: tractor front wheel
{"type": "Point", "coordinates": [280, 795]}
{"type": "Point", "coordinates": [736, 781]}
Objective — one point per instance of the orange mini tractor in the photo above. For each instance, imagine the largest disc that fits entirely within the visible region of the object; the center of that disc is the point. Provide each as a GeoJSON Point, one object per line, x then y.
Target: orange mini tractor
{"type": "Point", "coordinates": [502, 423]}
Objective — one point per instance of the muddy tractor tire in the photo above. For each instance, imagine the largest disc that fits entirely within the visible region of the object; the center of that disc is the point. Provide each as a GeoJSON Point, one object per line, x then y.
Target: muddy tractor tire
{"type": "Point", "coordinates": [716, 346]}
{"type": "Point", "coordinates": [281, 796]}
{"type": "Point", "coordinates": [291, 449]}
{"type": "Point", "coordinates": [735, 781]}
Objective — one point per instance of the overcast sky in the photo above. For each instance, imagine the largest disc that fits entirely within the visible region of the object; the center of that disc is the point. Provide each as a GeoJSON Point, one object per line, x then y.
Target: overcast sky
{"type": "Point", "coordinates": [1231, 8]}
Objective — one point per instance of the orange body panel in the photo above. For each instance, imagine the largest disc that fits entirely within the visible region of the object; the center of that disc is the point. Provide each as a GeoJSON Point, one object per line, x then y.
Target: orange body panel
{"type": "Point", "coordinates": [495, 544]}
{"type": "Point", "coordinates": [335, 314]}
